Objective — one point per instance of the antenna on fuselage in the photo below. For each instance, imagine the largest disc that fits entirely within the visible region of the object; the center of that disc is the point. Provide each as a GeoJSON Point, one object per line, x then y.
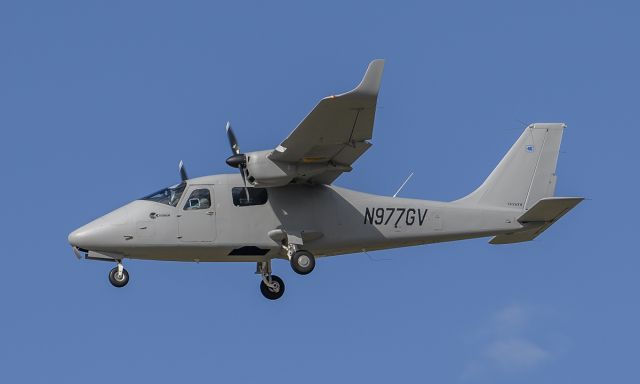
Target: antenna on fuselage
{"type": "Point", "coordinates": [402, 186]}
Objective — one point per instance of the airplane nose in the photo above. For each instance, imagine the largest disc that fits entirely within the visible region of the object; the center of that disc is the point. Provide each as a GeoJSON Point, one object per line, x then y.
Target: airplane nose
{"type": "Point", "coordinates": [86, 237]}
{"type": "Point", "coordinates": [74, 238]}
{"type": "Point", "coordinates": [101, 234]}
{"type": "Point", "coordinates": [106, 233]}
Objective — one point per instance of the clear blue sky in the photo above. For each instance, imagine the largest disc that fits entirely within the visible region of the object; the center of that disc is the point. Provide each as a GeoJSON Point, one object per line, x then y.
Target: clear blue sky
{"type": "Point", "coordinates": [99, 100]}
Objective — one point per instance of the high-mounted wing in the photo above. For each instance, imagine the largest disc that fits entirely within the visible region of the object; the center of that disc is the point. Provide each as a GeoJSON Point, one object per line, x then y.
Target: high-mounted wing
{"type": "Point", "coordinates": [337, 130]}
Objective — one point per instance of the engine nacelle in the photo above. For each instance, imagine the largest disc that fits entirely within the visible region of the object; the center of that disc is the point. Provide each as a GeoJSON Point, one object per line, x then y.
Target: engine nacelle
{"type": "Point", "coordinates": [264, 172]}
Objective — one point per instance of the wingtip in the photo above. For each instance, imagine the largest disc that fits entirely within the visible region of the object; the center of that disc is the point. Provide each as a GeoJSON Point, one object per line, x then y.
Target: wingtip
{"type": "Point", "coordinates": [376, 65]}
{"type": "Point", "coordinates": [370, 83]}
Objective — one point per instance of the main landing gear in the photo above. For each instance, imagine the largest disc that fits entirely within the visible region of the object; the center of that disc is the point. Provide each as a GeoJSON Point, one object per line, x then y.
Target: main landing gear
{"type": "Point", "coordinates": [271, 286]}
{"type": "Point", "coordinates": [302, 262]}
{"type": "Point", "coordinates": [118, 276]}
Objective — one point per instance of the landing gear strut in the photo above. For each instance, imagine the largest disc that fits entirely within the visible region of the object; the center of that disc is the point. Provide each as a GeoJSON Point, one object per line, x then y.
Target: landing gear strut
{"type": "Point", "coordinates": [271, 286]}
{"type": "Point", "coordinates": [118, 276]}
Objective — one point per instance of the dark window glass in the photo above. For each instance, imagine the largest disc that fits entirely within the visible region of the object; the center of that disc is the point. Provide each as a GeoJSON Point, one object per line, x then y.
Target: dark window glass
{"type": "Point", "coordinates": [257, 196]}
{"type": "Point", "coordinates": [199, 199]}
{"type": "Point", "coordinates": [169, 196]}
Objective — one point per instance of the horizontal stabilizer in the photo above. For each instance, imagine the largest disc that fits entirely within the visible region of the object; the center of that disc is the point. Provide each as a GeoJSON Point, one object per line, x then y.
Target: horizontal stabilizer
{"type": "Point", "coordinates": [537, 219]}
{"type": "Point", "coordinates": [550, 209]}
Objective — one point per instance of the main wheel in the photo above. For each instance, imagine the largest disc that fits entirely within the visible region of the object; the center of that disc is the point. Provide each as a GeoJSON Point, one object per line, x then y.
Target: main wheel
{"type": "Point", "coordinates": [273, 293]}
{"type": "Point", "coordinates": [303, 262]}
{"type": "Point", "coordinates": [118, 280]}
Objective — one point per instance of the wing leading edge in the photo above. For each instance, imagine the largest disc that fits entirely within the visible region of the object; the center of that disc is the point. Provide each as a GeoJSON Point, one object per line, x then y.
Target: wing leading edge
{"type": "Point", "coordinates": [336, 131]}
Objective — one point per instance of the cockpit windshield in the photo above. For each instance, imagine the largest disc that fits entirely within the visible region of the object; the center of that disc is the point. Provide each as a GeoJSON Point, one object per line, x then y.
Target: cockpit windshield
{"type": "Point", "coordinates": [169, 196]}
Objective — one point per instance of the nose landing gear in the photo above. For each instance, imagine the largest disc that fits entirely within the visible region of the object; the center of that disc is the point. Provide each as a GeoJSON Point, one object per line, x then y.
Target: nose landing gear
{"type": "Point", "coordinates": [271, 286]}
{"type": "Point", "coordinates": [118, 276]}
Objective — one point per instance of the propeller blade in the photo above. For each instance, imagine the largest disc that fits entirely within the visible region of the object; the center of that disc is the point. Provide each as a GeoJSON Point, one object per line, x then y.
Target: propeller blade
{"type": "Point", "coordinates": [244, 180]}
{"type": "Point", "coordinates": [237, 159]}
{"type": "Point", "coordinates": [233, 142]}
{"type": "Point", "coordinates": [183, 172]}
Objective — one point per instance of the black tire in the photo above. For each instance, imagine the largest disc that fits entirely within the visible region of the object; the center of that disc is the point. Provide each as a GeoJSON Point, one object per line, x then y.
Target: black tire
{"type": "Point", "coordinates": [303, 262]}
{"type": "Point", "coordinates": [272, 294]}
{"type": "Point", "coordinates": [113, 278]}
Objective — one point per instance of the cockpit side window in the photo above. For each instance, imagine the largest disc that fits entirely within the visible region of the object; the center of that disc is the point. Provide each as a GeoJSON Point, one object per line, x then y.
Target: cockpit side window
{"type": "Point", "coordinates": [257, 196]}
{"type": "Point", "coordinates": [199, 199]}
{"type": "Point", "coordinates": [169, 196]}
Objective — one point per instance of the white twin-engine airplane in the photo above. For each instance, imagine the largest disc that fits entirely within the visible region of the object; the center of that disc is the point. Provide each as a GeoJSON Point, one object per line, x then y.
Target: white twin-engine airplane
{"type": "Point", "coordinates": [283, 205]}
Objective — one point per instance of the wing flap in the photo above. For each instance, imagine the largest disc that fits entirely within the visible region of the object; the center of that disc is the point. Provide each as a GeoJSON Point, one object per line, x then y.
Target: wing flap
{"type": "Point", "coordinates": [346, 155]}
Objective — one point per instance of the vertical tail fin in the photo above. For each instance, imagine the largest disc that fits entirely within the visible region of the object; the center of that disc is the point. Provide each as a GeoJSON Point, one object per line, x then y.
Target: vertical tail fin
{"type": "Point", "coordinates": [527, 173]}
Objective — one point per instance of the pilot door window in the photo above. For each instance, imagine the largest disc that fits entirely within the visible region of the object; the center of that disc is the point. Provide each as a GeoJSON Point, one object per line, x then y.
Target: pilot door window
{"type": "Point", "coordinates": [199, 199]}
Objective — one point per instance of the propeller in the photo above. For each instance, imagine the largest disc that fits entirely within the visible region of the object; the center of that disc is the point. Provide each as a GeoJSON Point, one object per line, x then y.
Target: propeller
{"type": "Point", "coordinates": [237, 159]}
{"type": "Point", "coordinates": [183, 171]}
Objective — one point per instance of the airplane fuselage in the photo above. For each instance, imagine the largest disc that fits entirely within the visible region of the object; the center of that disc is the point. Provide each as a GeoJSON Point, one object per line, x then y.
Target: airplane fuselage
{"type": "Point", "coordinates": [327, 219]}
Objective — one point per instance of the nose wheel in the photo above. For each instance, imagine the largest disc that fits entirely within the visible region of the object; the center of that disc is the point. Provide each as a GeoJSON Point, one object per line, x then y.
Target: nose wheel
{"type": "Point", "coordinates": [118, 276]}
{"type": "Point", "coordinates": [272, 287]}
